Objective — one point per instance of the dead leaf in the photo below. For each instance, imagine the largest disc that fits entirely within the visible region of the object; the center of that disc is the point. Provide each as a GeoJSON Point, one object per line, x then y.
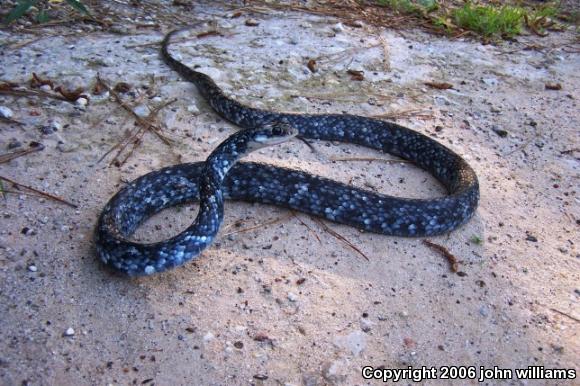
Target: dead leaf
{"type": "Point", "coordinates": [37, 82]}
{"type": "Point", "coordinates": [122, 87]}
{"type": "Point", "coordinates": [356, 75]}
{"type": "Point", "coordinates": [261, 337]}
{"type": "Point", "coordinates": [409, 343]}
{"type": "Point", "coordinates": [439, 86]}
{"type": "Point", "coordinates": [99, 89]}
{"type": "Point", "coordinates": [71, 95]}
{"type": "Point", "coordinates": [312, 65]}
{"type": "Point", "coordinates": [553, 86]}
{"type": "Point", "coordinates": [453, 262]}
{"type": "Point", "coordinates": [208, 33]}
{"type": "Point", "coordinates": [7, 86]}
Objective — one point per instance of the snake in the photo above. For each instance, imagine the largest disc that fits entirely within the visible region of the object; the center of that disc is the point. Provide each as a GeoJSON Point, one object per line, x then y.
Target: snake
{"type": "Point", "coordinates": [221, 177]}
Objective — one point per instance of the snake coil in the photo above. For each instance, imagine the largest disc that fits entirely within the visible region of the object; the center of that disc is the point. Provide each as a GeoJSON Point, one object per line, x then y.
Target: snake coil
{"type": "Point", "coordinates": [268, 184]}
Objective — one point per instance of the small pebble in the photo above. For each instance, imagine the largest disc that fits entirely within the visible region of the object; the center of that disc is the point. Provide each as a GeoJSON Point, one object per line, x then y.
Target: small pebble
{"type": "Point", "coordinates": [50, 128]}
{"type": "Point", "coordinates": [338, 27]}
{"type": "Point", "coordinates": [28, 231]}
{"type": "Point", "coordinates": [208, 337]}
{"type": "Point", "coordinates": [490, 81]}
{"type": "Point", "coordinates": [502, 133]}
{"type": "Point", "coordinates": [366, 325]}
{"type": "Point", "coordinates": [531, 238]}
{"type": "Point", "coordinates": [32, 268]}
{"type": "Point", "coordinates": [193, 109]}
{"type": "Point", "coordinates": [69, 332]}
{"type": "Point", "coordinates": [14, 143]}
{"type": "Point", "coordinates": [292, 297]}
{"type": "Point", "coordinates": [65, 147]}
{"type": "Point", "coordinates": [483, 311]}
{"type": "Point", "coordinates": [82, 101]}
{"type": "Point", "coordinates": [142, 110]}
{"type": "Point", "coordinates": [5, 112]}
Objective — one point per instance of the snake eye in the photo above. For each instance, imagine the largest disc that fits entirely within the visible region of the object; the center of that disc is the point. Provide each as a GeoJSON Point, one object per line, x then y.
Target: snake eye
{"type": "Point", "coordinates": [277, 130]}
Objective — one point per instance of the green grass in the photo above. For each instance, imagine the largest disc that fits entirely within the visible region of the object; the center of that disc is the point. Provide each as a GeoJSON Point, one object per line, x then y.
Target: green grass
{"type": "Point", "coordinates": [407, 7]}
{"type": "Point", "coordinates": [476, 240]}
{"type": "Point", "coordinates": [23, 6]}
{"type": "Point", "coordinates": [488, 21]}
{"type": "Point", "coordinates": [505, 21]}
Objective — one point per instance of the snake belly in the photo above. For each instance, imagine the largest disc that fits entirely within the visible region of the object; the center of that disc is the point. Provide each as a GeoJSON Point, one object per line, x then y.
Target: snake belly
{"type": "Point", "coordinates": [293, 189]}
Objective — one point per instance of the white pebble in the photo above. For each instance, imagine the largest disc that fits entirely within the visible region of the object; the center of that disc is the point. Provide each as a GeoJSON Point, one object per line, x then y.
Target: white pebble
{"type": "Point", "coordinates": [142, 110]}
{"type": "Point", "coordinates": [292, 297]}
{"type": "Point", "coordinates": [69, 331]}
{"type": "Point", "coordinates": [193, 109]}
{"type": "Point", "coordinates": [208, 337]}
{"type": "Point", "coordinates": [32, 268]}
{"type": "Point", "coordinates": [5, 112]}
{"type": "Point", "coordinates": [338, 27]}
{"type": "Point", "coordinates": [82, 101]}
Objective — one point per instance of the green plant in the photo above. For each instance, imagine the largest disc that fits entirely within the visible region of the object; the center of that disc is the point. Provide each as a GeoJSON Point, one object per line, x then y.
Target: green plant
{"type": "Point", "coordinates": [488, 20]}
{"type": "Point", "coordinates": [408, 7]}
{"type": "Point", "coordinates": [42, 16]}
{"type": "Point", "coordinates": [476, 240]}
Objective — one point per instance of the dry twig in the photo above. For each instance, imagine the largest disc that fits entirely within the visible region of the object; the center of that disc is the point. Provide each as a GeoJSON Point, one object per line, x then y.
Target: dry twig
{"type": "Point", "coordinates": [453, 262]}
{"type": "Point", "coordinates": [34, 147]}
{"type": "Point", "coordinates": [370, 159]}
{"type": "Point", "coordinates": [340, 237]}
{"type": "Point", "coordinates": [277, 220]}
{"type": "Point", "coordinates": [39, 192]}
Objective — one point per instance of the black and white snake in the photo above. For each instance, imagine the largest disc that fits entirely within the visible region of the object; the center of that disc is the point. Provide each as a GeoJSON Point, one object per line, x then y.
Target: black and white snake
{"type": "Point", "coordinates": [268, 184]}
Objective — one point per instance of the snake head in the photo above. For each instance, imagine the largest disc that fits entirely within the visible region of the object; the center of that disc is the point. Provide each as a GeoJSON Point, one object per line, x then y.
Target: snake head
{"type": "Point", "coordinates": [273, 134]}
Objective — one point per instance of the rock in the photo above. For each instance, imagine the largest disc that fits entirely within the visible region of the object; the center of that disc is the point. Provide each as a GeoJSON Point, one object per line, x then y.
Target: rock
{"type": "Point", "coordinates": [355, 342]}
{"type": "Point", "coordinates": [501, 132]}
{"type": "Point", "coordinates": [311, 379]}
{"type": "Point", "coordinates": [142, 111]}
{"type": "Point", "coordinates": [338, 27]}
{"type": "Point", "coordinates": [69, 332]}
{"type": "Point", "coordinates": [531, 238]}
{"type": "Point", "coordinates": [484, 311]}
{"type": "Point", "coordinates": [32, 268]}
{"type": "Point", "coordinates": [441, 100]}
{"type": "Point", "coordinates": [193, 109]}
{"type": "Point", "coordinates": [5, 112]}
{"type": "Point", "coordinates": [82, 101]}
{"type": "Point", "coordinates": [225, 24]}
{"type": "Point", "coordinates": [51, 127]}
{"type": "Point", "coordinates": [65, 147]}
{"type": "Point", "coordinates": [334, 372]}
{"type": "Point", "coordinates": [28, 231]}
{"type": "Point", "coordinates": [490, 81]}
{"type": "Point", "coordinates": [366, 325]}
{"type": "Point", "coordinates": [208, 337]}
{"type": "Point", "coordinates": [14, 143]}
{"type": "Point", "coordinates": [292, 297]}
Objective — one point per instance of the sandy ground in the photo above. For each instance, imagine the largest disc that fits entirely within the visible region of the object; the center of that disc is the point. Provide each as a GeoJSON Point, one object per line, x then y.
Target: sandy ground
{"type": "Point", "coordinates": [286, 303]}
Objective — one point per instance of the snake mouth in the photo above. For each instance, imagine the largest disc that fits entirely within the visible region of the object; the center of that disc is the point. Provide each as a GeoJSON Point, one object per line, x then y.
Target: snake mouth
{"type": "Point", "coordinates": [268, 141]}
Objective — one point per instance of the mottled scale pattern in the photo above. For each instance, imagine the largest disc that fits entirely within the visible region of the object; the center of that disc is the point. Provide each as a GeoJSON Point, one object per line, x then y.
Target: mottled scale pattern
{"type": "Point", "coordinates": [288, 188]}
